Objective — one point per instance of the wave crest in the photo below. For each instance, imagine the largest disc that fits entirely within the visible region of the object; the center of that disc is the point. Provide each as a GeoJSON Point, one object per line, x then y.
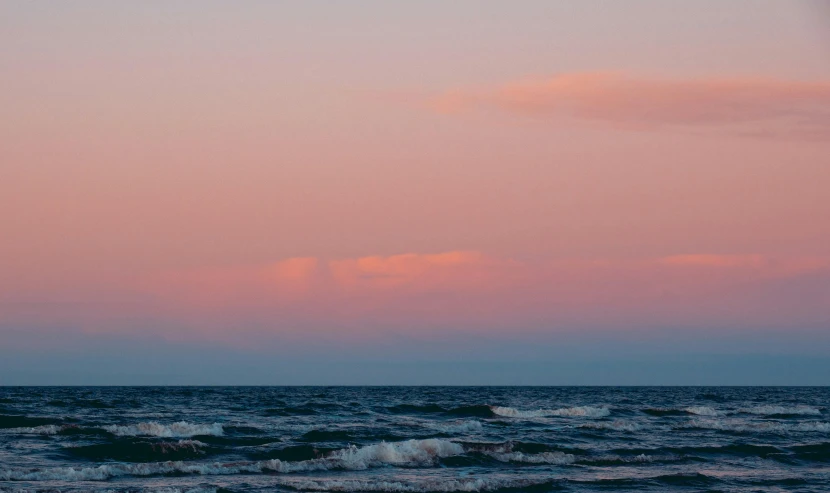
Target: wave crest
{"type": "Point", "coordinates": [180, 429]}
{"type": "Point", "coordinates": [782, 410]}
{"type": "Point", "coordinates": [408, 453]}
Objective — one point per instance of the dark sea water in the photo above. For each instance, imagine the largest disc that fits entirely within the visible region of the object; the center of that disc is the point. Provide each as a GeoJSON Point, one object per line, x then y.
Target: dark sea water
{"type": "Point", "coordinates": [414, 439]}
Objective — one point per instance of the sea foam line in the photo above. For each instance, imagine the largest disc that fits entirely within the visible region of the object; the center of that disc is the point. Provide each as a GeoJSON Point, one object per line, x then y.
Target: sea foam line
{"type": "Point", "coordinates": [742, 426]}
{"type": "Point", "coordinates": [578, 411]}
{"type": "Point", "coordinates": [179, 429]}
{"type": "Point", "coordinates": [417, 486]}
{"type": "Point", "coordinates": [409, 453]}
{"type": "Point", "coordinates": [771, 410]}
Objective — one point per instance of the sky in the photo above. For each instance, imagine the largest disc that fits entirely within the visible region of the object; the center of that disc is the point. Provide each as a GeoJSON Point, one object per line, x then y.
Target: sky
{"type": "Point", "coordinates": [372, 192]}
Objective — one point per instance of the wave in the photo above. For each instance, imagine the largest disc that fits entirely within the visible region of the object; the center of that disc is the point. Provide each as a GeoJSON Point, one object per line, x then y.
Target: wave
{"type": "Point", "coordinates": [552, 458]}
{"type": "Point", "coordinates": [768, 410]}
{"type": "Point", "coordinates": [416, 408]}
{"type": "Point", "coordinates": [326, 436]}
{"type": "Point", "coordinates": [741, 426]}
{"type": "Point", "coordinates": [81, 403]}
{"type": "Point", "coordinates": [410, 453]}
{"type": "Point", "coordinates": [615, 460]}
{"type": "Point", "coordinates": [19, 421]}
{"type": "Point", "coordinates": [616, 425]}
{"type": "Point", "coordinates": [521, 453]}
{"type": "Point", "coordinates": [817, 452]}
{"type": "Point", "coordinates": [703, 411]}
{"type": "Point", "coordinates": [662, 411]}
{"type": "Point", "coordinates": [289, 411]}
{"type": "Point", "coordinates": [782, 411]}
{"type": "Point", "coordinates": [642, 483]}
{"type": "Point", "coordinates": [735, 449]}
{"type": "Point", "coordinates": [142, 451]}
{"type": "Point", "coordinates": [694, 479]}
{"type": "Point", "coordinates": [179, 429]}
{"type": "Point", "coordinates": [579, 411]}
{"type": "Point", "coordinates": [197, 489]}
{"type": "Point", "coordinates": [41, 430]}
{"type": "Point", "coordinates": [291, 453]}
{"type": "Point", "coordinates": [417, 486]}
{"type": "Point", "coordinates": [464, 426]}
{"type": "Point", "coordinates": [692, 410]}
{"type": "Point", "coordinates": [480, 411]}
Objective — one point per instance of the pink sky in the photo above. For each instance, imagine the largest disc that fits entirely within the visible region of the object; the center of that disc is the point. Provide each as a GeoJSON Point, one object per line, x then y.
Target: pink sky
{"type": "Point", "coordinates": [323, 171]}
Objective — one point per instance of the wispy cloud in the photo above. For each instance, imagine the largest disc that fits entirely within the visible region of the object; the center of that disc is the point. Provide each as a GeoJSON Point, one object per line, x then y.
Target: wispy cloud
{"type": "Point", "coordinates": [365, 297]}
{"type": "Point", "coordinates": [746, 105]}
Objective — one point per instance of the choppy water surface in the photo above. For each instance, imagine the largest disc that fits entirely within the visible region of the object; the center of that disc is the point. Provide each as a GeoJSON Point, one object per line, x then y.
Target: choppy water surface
{"type": "Point", "coordinates": [414, 439]}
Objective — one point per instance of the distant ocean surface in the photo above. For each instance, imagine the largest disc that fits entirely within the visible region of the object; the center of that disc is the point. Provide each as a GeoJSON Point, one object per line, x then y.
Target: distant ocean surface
{"type": "Point", "coordinates": [414, 439]}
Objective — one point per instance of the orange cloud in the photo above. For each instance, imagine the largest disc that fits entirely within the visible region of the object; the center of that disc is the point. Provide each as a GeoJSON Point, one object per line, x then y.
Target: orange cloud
{"type": "Point", "coordinates": [754, 106]}
{"type": "Point", "coordinates": [294, 276]}
{"type": "Point", "coordinates": [431, 270]}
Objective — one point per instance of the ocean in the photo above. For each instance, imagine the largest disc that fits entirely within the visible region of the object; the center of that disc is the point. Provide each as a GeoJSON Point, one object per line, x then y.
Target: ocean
{"type": "Point", "coordinates": [415, 439]}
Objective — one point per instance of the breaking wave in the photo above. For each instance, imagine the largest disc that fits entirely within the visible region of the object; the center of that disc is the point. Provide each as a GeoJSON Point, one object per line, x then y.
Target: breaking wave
{"type": "Point", "coordinates": [179, 429]}
{"type": "Point", "coordinates": [410, 453]}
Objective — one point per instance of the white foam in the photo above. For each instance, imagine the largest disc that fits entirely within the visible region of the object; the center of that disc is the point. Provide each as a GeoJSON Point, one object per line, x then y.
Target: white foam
{"type": "Point", "coordinates": [40, 430]}
{"type": "Point", "coordinates": [503, 452]}
{"type": "Point", "coordinates": [172, 430]}
{"type": "Point", "coordinates": [703, 411]}
{"type": "Point", "coordinates": [773, 410]}
{"type": "Point", "coordinates": [554, 458]}
{"type": "Point", "coordinates": [579, 411]}
{"type": "Point", "coordinates": [410, 452]}
{"type": "Point", "coordinates": [167, 447]}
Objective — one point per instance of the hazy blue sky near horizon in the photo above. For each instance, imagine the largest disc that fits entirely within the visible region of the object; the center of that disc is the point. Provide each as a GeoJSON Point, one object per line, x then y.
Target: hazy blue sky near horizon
{"type": "Point", "coordinates": [370, 192]}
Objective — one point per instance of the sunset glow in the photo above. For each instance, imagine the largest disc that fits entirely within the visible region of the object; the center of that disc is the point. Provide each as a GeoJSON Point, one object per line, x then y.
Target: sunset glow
{"type": "Point", "coordinates": [427, 180]}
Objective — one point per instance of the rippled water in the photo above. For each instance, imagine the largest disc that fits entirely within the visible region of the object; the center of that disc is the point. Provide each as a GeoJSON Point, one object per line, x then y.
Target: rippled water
{"type": "Point", "coordinates": [412, 439]}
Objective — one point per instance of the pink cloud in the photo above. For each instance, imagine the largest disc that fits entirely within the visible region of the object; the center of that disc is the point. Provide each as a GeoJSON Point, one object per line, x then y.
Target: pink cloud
{"type": "Point", "coordinates": [448, 270]}
{"type": "Point", "coordinates": [709, 260]}
{"type": "Point", "coordinates": [361, 298]}
{"type": "Point", "coordinates": [285, 281]}
{"type": "Point", "coordinates": [474, 288]}
{"type": "Point", "coordinates": [752, 106]}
